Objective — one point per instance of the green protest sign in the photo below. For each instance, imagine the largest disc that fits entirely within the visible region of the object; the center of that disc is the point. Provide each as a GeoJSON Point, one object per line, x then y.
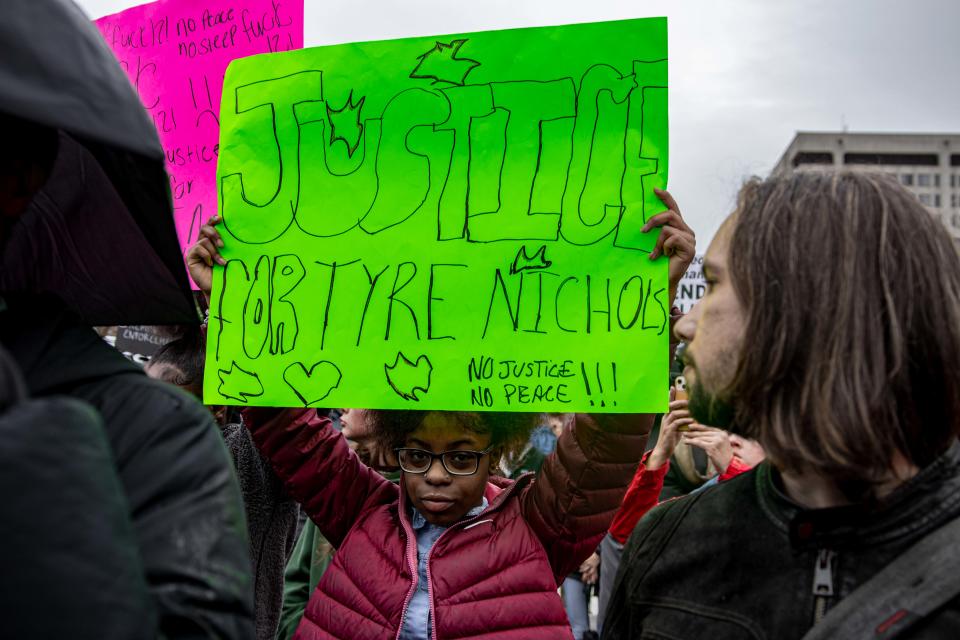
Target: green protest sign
{"type": "Point", "coordinates": [449, 222]}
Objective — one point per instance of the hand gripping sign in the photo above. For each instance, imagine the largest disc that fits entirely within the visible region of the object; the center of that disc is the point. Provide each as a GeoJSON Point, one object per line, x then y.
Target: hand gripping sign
{"type": "Point", "coordinates": [449, 222]}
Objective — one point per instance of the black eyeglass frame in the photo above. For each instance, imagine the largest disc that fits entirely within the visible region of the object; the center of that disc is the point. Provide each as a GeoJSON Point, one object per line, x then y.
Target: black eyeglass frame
{"type": "Point", "coordinates": [433, 456]}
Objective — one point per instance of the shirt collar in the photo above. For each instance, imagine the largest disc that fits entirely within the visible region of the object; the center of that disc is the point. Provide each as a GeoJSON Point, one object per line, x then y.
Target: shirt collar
{"type": "Point", "coordinates": [419, 522]}
{"type": "Point", "coordinates": [919, 504]}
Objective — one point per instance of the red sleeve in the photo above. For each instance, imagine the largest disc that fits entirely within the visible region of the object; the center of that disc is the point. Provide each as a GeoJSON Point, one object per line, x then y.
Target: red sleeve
{"type": "Point", "coordinates": [579, 488]}
{"type": "Point", "coordinates": [735, 468]}
{"type": "Point", "coordinates": [318, 468]}
{"type": "Point", "coordinates": [642, 495]}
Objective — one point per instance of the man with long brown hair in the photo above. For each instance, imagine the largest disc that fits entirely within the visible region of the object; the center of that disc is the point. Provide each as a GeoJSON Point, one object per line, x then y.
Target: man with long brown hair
{"type": "Point", "coordinates": [830, 333]}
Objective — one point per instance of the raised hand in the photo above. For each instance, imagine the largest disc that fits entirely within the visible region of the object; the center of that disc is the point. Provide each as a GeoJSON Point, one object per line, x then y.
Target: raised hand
{"type": "Point", "coordinates": [714, 442]}
{"type": "Point", "coordinates": [677, 240]}
{"type": "Point", "coordinates": [201, 255]}
{"type": "Point", "coordinates": [671, 428]}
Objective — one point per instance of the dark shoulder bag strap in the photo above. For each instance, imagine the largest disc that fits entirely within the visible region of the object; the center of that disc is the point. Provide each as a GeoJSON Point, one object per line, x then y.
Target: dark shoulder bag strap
{"type": "Point", "coordinates": [913, 586]}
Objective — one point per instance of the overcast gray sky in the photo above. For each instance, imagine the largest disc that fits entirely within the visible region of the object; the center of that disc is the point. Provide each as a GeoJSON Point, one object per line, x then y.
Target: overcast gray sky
{"type": "Point", "coordinates": [744, 74]}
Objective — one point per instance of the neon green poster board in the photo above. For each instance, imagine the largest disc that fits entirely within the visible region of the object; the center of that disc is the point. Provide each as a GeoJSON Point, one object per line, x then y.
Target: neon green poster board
{"type": "Point", "coordinates": [449, 222]}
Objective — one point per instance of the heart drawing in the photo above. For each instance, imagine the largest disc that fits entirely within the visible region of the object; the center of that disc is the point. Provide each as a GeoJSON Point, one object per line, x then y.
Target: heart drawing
{"type": "Point", "coordinates": [314, 384]}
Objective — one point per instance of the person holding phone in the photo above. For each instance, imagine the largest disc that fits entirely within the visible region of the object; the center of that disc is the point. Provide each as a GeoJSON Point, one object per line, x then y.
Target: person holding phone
{"type": "Point", "coordinates": [727, 452]}
{"type": "Point", "coordinates": [733, 454]}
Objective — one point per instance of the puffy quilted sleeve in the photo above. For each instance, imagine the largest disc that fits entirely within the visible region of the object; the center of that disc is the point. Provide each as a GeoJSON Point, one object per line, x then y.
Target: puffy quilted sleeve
{"type": "Point", "coordinates": [318, 468]}
{"type": "Point", "coordinates": [579, 488]}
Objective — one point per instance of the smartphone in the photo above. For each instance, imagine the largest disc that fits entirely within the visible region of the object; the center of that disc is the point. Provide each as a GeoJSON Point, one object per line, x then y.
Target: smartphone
{"type": "Point", "coordinates": [680, 393]}
{"type": "Point", "coordinates": [680, 388]}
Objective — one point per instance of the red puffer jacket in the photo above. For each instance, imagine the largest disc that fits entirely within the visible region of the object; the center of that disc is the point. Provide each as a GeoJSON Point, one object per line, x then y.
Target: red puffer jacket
{"type": "Point", "coordinates": [494, 575]}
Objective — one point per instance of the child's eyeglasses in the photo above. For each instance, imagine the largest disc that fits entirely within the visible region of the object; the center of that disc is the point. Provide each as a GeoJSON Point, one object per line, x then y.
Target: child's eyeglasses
{"type": "Point", "coordinates": [457, 463]}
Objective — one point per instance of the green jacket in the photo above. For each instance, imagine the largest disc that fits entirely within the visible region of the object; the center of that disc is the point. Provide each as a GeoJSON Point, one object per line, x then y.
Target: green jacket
{"type": "Point", "coordinates": [310, 558]}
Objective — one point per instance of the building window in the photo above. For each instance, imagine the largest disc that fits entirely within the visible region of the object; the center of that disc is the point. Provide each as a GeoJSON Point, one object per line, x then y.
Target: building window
{"type": "Point", "coordinates": [953, 180]}
{"type": "Point", "coordinates": [936, 200]}
{"type": "Point", "coordinates": [923, 179]}
{"type": "Point", "coordinates": [906, 179]}
{"type": "Point", "coordinates": [813, 157]}
{"type": "Point", "coordinates": [920, 159]}
{"type": "Point", "coordinates": [936, 179]}
{"type": "Point", "coordinates": [924, 199]}
{"type": "Point", "coordinates": [953, 200]}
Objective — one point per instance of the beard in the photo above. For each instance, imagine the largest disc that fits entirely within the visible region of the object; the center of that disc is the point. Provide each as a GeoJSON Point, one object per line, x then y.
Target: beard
{"type": "Point", "coordinates": [712, 410]}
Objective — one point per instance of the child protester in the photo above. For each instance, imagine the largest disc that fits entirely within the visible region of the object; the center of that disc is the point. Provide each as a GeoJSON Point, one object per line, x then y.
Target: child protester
{"type": "Point", "coordinates": [453, 550]}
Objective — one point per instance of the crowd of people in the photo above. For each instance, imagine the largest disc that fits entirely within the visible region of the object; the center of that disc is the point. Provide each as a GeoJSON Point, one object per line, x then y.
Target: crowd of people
{"type": "Point", "coordinates": [804, 482]}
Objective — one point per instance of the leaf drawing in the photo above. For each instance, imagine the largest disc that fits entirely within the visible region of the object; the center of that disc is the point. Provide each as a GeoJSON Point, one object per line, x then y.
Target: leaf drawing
{"type": "Point", "coordinates": [441, 64]}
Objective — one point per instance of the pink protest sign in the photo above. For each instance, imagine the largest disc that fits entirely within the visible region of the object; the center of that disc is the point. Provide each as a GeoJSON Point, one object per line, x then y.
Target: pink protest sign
{"type": "Point", "coordinates": [175, 53]}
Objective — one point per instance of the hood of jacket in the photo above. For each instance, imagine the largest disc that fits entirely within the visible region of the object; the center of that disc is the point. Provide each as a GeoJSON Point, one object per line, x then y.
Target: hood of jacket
{"type": "Point", "coordinates": [52, 347]}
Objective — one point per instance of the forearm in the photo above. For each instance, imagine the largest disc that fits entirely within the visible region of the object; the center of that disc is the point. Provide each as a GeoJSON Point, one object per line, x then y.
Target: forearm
{"type": "Point", "coordinates": [642, 495]}
{"type": "Point", "coordinates": [658, 458]}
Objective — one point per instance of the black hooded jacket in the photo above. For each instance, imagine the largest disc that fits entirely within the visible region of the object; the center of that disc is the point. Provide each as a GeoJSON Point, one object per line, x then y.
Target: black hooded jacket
{"type": "Point", "coordinates": [741, 560]}
{"type": "Point", "coordinates": [179, 485]}
{"type": "Point", "coordinates": [86, 571]}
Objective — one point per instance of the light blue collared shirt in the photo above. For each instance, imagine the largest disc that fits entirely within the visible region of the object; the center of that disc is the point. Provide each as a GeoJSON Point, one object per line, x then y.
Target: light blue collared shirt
{"type": "Point", "coordinates": [416, 619]}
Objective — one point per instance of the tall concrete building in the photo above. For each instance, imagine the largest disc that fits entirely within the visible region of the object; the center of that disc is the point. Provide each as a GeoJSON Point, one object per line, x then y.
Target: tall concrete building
{"type": "Point", "coordinates": [928, 164]}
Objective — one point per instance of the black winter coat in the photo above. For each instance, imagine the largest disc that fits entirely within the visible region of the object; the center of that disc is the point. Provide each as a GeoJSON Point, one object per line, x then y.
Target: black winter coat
{"type": "Point", "coordinates": [69, 569]}
{"type": "Point", "coordinates": [179, 484]}
{"type": "Point", "coordinates": [738, 560]}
